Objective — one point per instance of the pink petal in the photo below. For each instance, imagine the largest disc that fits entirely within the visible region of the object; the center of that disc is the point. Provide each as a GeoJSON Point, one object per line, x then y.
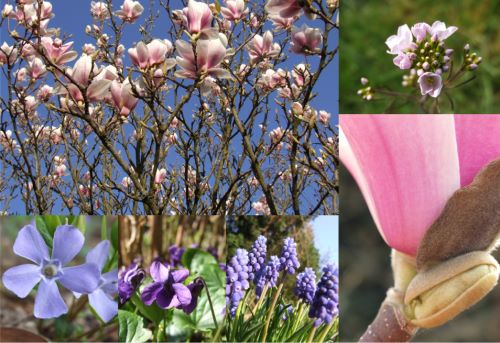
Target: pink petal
{"type": "Point", "coordinates": [478, 140]}
{"type": "Point", "coordinates": [406, 167]}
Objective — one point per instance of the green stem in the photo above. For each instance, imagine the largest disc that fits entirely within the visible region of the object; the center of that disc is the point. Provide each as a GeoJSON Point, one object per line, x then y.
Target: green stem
{"type": "Point", "coordinates": [299, 316]}
{"type": "Point", "coordinates": [262, 295]}
{"type": "Point", "coordinates": [325, 332]}
{"type": "Point", "coordinates": [311, 335]}
{"type": "Point", "coordinates": [210, 302]}
{"type": "Point", "coordinates": [271, 309]}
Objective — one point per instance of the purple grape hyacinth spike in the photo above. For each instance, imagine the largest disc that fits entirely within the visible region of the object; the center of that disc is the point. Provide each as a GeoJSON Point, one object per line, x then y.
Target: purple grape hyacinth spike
{"type": "Point", "coordinates": [269, 275]}
{"type": "Point", "coordinates": [288, 259]}
{"type": "Point", "coordinates": [325, 305]}
{"type": "Point", "coordinates": [49, 271]}
{"type": "Point", "coordinates": [236, 280]}
{"type": "Point", "coordinates": [257, 257]}
{"type": "Point", "coordinates": [305, 286]}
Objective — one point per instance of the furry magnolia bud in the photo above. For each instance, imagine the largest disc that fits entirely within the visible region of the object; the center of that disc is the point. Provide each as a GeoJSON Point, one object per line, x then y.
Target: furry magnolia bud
{"type": "Point", "coordinates": [440, 293]}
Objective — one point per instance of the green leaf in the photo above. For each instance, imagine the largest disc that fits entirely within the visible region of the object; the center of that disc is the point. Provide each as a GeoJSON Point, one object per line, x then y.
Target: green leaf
{"type": "Point", "coordinates": [79, 222]}
{"type": "Point", "coordinates": [114, 235]}
{"type": "Point", "coordinates": [215, 280]}
{"type": "Point", "coordinates": [52, 222]}
{"type": "Point", "coordinates": [180, 328]}
{"type": "Point", "coordinates": [153, 312]}
{"type": "Point", "coordinates": [131, 328]}
{"type": "Point", "coordinates": [195, 259]}
{"type": "Point", "coordinates": [44, 231]}
{"type": "Point", "coordinates": [104, 228]}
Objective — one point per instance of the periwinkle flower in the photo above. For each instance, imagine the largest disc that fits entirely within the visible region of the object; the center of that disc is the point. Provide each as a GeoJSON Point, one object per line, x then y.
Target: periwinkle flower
{"type": "Point", "coordinates": [430, 84]}
{"type": "Point", "coordinates": [102, 298]}
{"type": "Point", "coordinates": [50, 269]}
{"type": "Point", "coordinates": [325, 303]}
{"type": "Point", "coordinates": [257, 257]}
{"type": "Point", "coordinates": [305, 286]}
{"type": "Point", "coordinates": [130, 279]}
{"type": "Point", "coordinates": [288, 258]}
{"type": "Point", "coordinates": [236, 280]}
{"type": "Point", "coordinates": [269, 275]}
{"type": "Point", "coordinates": [168, 289]}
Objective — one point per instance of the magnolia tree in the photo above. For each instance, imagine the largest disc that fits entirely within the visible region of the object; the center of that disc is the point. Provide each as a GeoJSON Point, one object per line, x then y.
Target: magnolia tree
{"type": "Point", "coordinates": [211, 109]}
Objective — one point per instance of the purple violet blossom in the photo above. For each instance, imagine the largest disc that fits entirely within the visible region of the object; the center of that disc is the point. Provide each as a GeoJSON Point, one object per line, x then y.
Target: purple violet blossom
{"type": "Point", "coordinates": [288, 259]}
{"type": "Point", "coordinates": [50, 269]}
{"type": "Point", "coordinates": [430, 84]}
{"type": "Point", "coordinates": [168, 290]}
{"type": "Point", "coordinates": [326, 299]}
{"type": "Point", "coordinates": [306, 285]}
{"type": "Point", "coordinates": [130, 279]}
{"type": "Point", "coordinates": [175, 254]}
{"type": "Point", "coordinates": [101, 299]}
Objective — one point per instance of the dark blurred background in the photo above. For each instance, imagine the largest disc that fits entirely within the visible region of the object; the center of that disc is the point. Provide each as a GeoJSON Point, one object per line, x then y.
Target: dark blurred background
{"type": "Point", "coordinates": [365, 276]}
{"type": "Point", "coordinates": [366, 24]}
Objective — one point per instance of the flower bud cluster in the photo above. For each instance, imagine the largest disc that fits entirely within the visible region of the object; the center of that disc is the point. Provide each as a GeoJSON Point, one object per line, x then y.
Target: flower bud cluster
{"type": "Point", "coordinates": [325, 303]}
{"type": "Point", "coordinates": [305, 286]}
{"type": "Point", "coordinates": [288, 259]}
{"type": "Point", "coordinates": [269, 276]}
{"type": "Point", "coordinates": [257, 257]}
{"type": "Point", "coordinates": [236, 280]}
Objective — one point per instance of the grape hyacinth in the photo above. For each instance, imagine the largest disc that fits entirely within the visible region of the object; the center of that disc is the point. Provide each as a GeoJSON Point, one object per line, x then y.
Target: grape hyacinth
{"type": "Point", "coordinates": [269, 275]}
{"type": "Point", "coordinates": [236, 280]}
{"type": "Point", "coordinates": [257, 257]}
{"type": "Point", "coordinates": [306, 285]}
{"type": "Point", "coordinates": [288, 259]}
{"type": "Point", "coordinates": [325, 303]}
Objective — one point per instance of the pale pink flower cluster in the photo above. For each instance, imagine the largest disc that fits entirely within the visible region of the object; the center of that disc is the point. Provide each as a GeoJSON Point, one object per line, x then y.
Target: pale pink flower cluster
{"type": "Point", "coordinates": [99, 10]}
{"type": "Point", "coordinates": [261, 207]}
{"type": "Point", "coordinates": [30, 14]}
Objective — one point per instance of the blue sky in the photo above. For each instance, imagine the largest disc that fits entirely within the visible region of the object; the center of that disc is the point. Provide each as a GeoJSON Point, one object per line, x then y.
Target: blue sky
{"type": "Point", "coordinates": [72, 17]}
{"type": "Point", "coordinates": [326, 237]}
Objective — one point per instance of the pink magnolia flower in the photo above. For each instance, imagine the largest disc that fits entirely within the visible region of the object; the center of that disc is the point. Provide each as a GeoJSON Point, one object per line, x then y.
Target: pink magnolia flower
{"type": "Point", "coordinates": [271, 79]}
{"type": "Point", "coordinates": [262, 47]}
{"type": "Point", "coordinates": [324, 117]}
{"type": "Point", "coordinates": [235, 10]}
{"type": "Point", "coordinates": [401, 42]}
{"type": "Point", "coordinates": [306, 40]}
{"type": "Point", "coordinates": [96, 89]}
{"type": "Point", "coordinates": [210, 53]}
{"type": "Point", "coordinates": [126, 182]}
{"type": "Point", "coordinates": [8, 9]}
{"type": "Point", "coordinates": [99, 10]}
{"type": "Point", "coordinates": [160, 175]}
{"type": "Point", "coordinates": [198, 16]}
{"type": "Point", "coordinates": [281, 23]}
{"type": "Point", "coordinates": [44, 93]}
{"type": "Point", "coordinates": [58, 52]}
{"type": "Point", "coordinates": [407, 167]}
{"type": "Point", "coordinates": [430, 84]}
{"type": "Point", "coordinates": [276, 135]}
{"type": "Point", "coordinates": [151, 54]}
{"type": "Point", "coordinates": [8, 54]}
{"type": "Point", "coordinates": [283, 8]}
{"type": "Point", "coordinates": [36, 68]}
{"type": "Point", "coordinates": [130, 11]}
{"type": "Point", "coordinates": [122, 97]}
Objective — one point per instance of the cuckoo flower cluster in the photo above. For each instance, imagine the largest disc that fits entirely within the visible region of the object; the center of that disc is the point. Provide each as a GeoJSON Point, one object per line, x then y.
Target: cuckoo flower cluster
{"type": "Point", "coordinates": [50, 268]}
{"type": "Point", "coordinates": [167, 289]}
{"type": "Point", "coordinates": [322, 297]}
{"type": "Point", "coordinates": [422, 51]}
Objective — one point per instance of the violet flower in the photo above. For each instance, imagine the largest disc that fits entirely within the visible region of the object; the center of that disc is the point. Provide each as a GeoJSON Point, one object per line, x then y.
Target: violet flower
{"type": "Point", "coordinates": [175, 254]}
{"type": "Point", "coordinates": [257, 257]}
{"type": "Point", "coordinates": [167, 289]}
{"type": "Point", "coordinates": [236, 280]}
{"type": "Point", "coordinates": [130, 279]}
{"type": "Point", "coordinates": [101, 299]}
{"type": "Point", "coordinates": [49, 269]}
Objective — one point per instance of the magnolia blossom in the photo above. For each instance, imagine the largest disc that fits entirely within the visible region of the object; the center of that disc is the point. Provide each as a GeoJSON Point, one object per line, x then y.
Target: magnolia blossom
{"type": "Point", "coordinates": [235, 10]}
{"type": "Point", "coordinates": [209, 55]}
{"type": "Point", "coordinates": [276, 135]}
{"type": "Point", "coordinates": [283, 8]}
{"type": "Point", "coordinates": [123, 97]}
{"type": "Point", "coordinates": [198, 16]}
{"type": "Point", "coordinates": [151, 54]}
{"type": "Point", "coordinates": [324, 117]}
{"type": "Point", "coordinates": [36, 68]}
{"type": "Point", "coordinates": [407, 167]}
{"type": "Point", "coordinates": [301, 75]}
{"type": "Point", "coordinates": [160, 175]}
{"type": "Point", "coordinates": [126, 182]}
{"type": "Point", "coordinates": [44, 93]}
{"type": "Point", "coordinates": [58, 52]}
{"type": "Point", "coordinates": [430, 84]}
{"type": "Point", "coordinates": [306, 40]}
{"type": "Point", "coordinates": [99, 10]}
{"type": "Point", "coordinates": [130, 11]}
{"type": "Point", "coordinates": [8, 54]}
{"type": "Point", "coordinates": [262, 47]}
{"type": "Point", "coordinates": [281, 23]}
{"type": "Point", "coordinates": [7, 10]}
{"type": "Point", "coordinates": [271, 79]}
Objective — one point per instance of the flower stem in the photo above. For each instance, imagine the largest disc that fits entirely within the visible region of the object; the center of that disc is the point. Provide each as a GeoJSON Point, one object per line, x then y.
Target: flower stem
{"type": "Point", "coordinates": [263, 294]}
{"type": "Point", "coordinates": [327, 329]}
{"type": "Point", "coordinates": [311, 334]}
{"type": "Point", "coordinates": [210, 302]}
{"type": "Point", "coordinates": [271, 309]}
